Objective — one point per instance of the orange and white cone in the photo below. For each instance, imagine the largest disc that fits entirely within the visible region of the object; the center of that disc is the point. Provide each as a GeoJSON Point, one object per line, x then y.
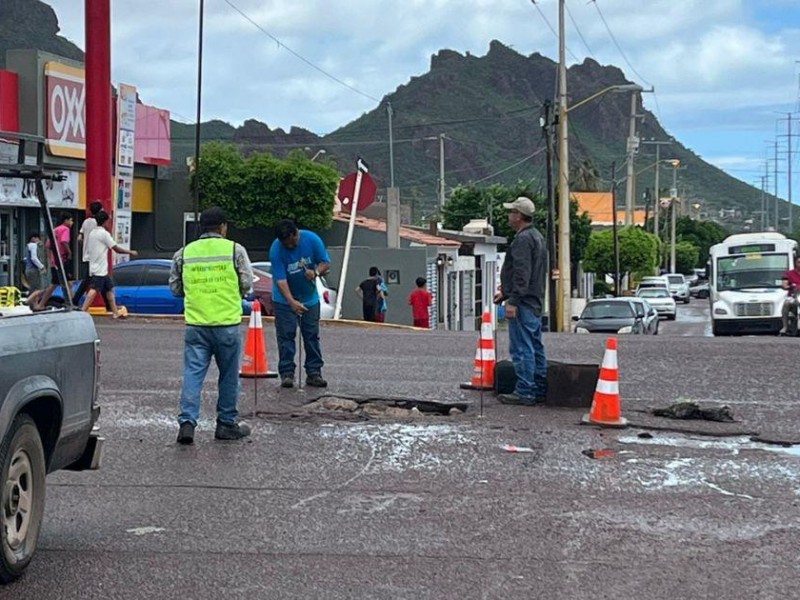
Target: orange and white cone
{"type": "Point", "coordinates": [483, 372]}
{"type": "Point", "coordinates": [254, 360]}
{"type": "Point", "coordinates": [606, 409]}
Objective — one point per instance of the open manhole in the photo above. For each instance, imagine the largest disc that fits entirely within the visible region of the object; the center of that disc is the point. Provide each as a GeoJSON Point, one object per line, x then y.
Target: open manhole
{"type": "Point", "coordinates": [360, 407]}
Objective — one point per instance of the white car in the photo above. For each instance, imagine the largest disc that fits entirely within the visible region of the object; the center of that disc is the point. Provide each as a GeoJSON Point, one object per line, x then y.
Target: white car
{"type": "Point", "coordinates": [652, 282]}
{"type": "Point", "coordinates": [678, 287]}
{"type": "Point", "coordinates": [327, 294]}
{"type": "Point", "coordinates": [661, 300]}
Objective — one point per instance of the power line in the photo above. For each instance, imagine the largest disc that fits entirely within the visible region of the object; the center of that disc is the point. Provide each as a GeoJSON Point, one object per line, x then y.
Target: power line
{"type": "Point", "coordinates": [298, 56]}
{"type": "Point", "coordinates": [555, 33]}
{"type": "Point", "coordinates": [578, 29]}
{"type": "Point", "coordinates": [616, 43]}
{"type": "Point", "coordinates": [508, 168]}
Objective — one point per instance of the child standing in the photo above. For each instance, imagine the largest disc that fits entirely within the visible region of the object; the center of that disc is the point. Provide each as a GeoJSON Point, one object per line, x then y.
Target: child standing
{"type": "Point", "coordinates": [421, 300]}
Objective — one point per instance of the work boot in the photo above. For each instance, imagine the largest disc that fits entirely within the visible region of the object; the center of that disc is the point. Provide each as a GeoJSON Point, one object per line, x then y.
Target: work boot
{"type": "Point", "coordinates": [518, 400]}
{"type": "Point", "coordinates": [287, 381]}
{"type": "Point", "coordinates": [231, 431]}
{"type": "Point", "coordinates": [316, 380]}
{"type": "Point", "coordinates": [186, 433]}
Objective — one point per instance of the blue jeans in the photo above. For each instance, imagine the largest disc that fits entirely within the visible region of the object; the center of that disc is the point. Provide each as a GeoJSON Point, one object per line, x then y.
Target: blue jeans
{"type": "Point", "coordinates": [527, 352]}
{"type": "Point", "coordinates": [286, 323]}
{"type": "Point", "coordinates": [224, 344]}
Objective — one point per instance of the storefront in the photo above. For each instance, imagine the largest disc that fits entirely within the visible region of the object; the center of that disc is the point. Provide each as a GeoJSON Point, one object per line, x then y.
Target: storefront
{"type": "Point", "coordinates": [44, 95]}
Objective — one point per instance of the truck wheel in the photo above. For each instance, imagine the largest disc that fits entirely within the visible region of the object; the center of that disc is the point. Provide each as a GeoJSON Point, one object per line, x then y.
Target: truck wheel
{"type": "Point", "coordinates": [21, 496]}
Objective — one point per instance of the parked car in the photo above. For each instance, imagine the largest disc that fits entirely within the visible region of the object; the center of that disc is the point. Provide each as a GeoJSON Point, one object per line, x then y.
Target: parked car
{"type": "Point", "coordinates": [327, 294]}
{"type": "Point", "coordinates": [142, 286]}
{"type": "Point", "coordinates": [699, 290]}
{"type": "Point", "coordinates": [652, 282]}
{"type": "Point", "coordinates": [678, 287]}
{"type": "Point", "coordinates": [661, 300]}
{"type": "Point", "coordinates": [612, 315]}
{"type": "Point", "coordinates": [648, 314]}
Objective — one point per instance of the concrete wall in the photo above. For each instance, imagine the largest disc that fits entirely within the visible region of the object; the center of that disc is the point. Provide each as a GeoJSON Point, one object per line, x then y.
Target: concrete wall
{"type": "Point", "coordinates": [411, 263]}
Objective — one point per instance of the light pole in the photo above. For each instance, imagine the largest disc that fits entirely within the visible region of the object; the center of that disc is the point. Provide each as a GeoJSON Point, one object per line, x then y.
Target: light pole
{"type": "Point", "coordinates": [564, 254]}
{"type": "Point", "coordinates": [319, 152]}
{"type": "Point", "coordinates": [197, 124]}
{"type": "Point", "coordinates": [673, 194]}
{"type": "Point", "coordinates": [632, 147]}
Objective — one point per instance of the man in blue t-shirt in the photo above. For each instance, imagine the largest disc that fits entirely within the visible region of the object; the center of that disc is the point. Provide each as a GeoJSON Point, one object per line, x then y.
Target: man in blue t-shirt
{"type": "Point", "coordinates": [298, 257]}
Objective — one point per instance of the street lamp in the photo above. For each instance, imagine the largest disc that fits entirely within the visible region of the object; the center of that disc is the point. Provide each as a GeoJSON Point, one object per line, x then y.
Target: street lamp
{"type": "Point", "coordinates": [564, 254]}
{"type": "Point", "coordinates": [320, 151]}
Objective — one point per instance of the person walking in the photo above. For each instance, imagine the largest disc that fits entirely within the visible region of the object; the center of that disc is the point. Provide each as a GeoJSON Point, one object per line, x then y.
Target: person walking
{"type": "Point", "coordinates": [96, 250]}
{"type": "Point", "coordinates": [213, 274]}
{"type": "Point", "coordinates": [63, 238]}
{"type": "Point", "coordinates": [522, 289]}
{"type": "Point", "coordinates": [383, 307]}
{"type": "Point", "coordinates": [369, 291]}
{"type": "Point", "coordinates": [34, 268]}
{"type": "Point", "coordinates": [298, 257]}
{"type": "Point", "coordinates": [87, 227]}
{"type": "Point", "coordinates": [421, 300]}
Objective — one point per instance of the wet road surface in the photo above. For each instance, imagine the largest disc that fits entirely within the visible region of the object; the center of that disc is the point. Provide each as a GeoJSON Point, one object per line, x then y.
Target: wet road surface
{"type": "Point", "coordinates": [433, 507]}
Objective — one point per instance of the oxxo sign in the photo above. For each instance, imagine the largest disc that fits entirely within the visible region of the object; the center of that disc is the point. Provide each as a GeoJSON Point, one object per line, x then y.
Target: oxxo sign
{"type": "Point", "coordinates": [65, 110]}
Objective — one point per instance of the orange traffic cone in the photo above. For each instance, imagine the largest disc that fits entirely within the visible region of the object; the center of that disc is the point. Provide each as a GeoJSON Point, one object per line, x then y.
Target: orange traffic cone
{"type": "Point", "coordinates": [254, 361]}
{"type": "Point", "coordinates": [606, 410]}
{"type": "Point", "coordinates": [483, 374]}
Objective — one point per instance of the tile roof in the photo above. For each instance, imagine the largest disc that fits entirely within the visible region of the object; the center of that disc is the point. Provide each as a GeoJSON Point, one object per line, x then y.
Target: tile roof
{"type": "Point", "coordinates": [598, 205]}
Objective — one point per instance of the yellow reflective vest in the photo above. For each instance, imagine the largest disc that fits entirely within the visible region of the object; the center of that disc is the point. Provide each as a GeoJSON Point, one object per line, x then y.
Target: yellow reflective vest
{"type": "Point", "coordinates": [211, 283]}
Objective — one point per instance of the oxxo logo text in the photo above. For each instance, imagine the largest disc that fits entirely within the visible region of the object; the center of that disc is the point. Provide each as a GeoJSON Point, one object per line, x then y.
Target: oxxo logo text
{"type": "Point", "coordinates": [66, 110]}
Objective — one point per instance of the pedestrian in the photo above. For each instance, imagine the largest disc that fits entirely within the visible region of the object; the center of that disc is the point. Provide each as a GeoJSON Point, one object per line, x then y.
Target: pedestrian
{"type": "Point", "coordinates": [99, 242]}
{"type": "Point", "coordinates": [421, 300]}
{"type": "Point", "coordinates": [791, 283]}
{"type": "Point", "coordinates": [383, 291]}
{"type": "Point", "coordinates": [213, 274]}
{"type": "Point", "coordinates": [369, 292]}
{"type": "Point", "coordinates": [522, 289]}
{"type": "Point", "coordinates": [63, 238]}
{"type": "Point", "coordinates": [83, 236]}
{"type": "Point", "coordinates": [298, 257]}
{"type": "Point", "coordinates": [34, 268]}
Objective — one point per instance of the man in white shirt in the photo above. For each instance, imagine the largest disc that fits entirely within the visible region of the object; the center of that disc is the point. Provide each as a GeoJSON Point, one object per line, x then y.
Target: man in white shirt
{"type": "Point", "coordinates": [83, 236]}
{"type": "Point", "coordinates": [98, 244]}
{"type": "Point", "coordinates": [34, 268]}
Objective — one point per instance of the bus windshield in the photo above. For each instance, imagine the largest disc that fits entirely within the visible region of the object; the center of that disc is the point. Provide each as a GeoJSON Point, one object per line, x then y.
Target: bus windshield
{"type": "Point", "coordinates": [751, 271]}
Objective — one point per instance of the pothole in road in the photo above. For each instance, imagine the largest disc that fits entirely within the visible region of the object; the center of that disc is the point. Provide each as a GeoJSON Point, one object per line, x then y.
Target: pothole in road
{"type": "Point", "coordinates": [360, 408]}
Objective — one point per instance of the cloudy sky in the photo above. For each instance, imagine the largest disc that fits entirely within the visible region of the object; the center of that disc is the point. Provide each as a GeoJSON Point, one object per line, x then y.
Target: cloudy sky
{"type": "Point", "coordinates": [722, 70]}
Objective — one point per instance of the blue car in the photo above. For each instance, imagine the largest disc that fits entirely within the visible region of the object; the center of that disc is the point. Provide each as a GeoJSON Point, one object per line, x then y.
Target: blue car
{"type": "Point", "coordinates": [142, 286]}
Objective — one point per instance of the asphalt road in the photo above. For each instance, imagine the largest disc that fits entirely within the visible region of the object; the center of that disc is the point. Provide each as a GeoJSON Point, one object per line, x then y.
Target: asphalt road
{"type": "Point", "coordinates": [432, 507]}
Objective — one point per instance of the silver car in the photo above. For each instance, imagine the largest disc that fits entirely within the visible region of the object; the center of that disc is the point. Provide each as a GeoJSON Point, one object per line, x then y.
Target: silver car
{"type": "Point", "coordinates": [678, 287]}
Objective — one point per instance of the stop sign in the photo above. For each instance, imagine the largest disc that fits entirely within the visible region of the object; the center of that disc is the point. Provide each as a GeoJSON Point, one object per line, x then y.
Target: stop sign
{"type": "Point", "coordinates": [347, 189]}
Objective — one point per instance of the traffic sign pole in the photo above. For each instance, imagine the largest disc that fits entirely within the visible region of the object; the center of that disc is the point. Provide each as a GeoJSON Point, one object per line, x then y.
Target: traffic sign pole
{"type": "Point", "coordinates": [361, 168]}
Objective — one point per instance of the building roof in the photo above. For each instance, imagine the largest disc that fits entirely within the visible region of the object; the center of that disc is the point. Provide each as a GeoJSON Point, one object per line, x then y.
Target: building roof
{"type": "Point", "coordinates": [406, 233]}
{"type": "Point", "coordinates": [598, 205]}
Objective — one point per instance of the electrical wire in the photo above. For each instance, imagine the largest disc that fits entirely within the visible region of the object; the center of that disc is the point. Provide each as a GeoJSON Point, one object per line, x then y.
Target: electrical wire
{"type": "Point", "coordinates": [616, 43]}
{"type": "Point", "coordinates": [555, 33]}
{"type": "Point", "coordinates": [578, 30]}
{"type": "Point", "coordinates": [508, 168]}
{"type": "Point", "coordinates": [298, 56]}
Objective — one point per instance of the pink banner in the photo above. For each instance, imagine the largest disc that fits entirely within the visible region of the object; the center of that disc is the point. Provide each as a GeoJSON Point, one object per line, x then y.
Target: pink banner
{"type": "Point", "coordinates": [152, 136]}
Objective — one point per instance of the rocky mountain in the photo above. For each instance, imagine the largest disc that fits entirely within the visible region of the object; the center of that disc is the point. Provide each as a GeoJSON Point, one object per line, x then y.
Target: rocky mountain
{"type": "Point", "coordinates": [488, 108]}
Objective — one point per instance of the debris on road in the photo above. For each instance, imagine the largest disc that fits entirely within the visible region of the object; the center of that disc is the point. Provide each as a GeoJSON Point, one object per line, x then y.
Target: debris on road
{"type": "Point", "coordinates": [600, 454]}
{"type": "Point", "coordinates": [689, 409]}
{"type": "Point", "coordinates": [517, 449]}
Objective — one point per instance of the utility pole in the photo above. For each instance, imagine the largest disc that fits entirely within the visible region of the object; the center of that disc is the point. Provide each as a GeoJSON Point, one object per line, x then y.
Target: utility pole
{"type": "Point", "coordinates": [776, 186]}
{"type": "Point", "coordinates": [673, 202]}
{"type": "Point", "coordinates": [763, 204]}
{"type": "Point", "coordinates": [441, 171]}
{"type": "Point", "coordinates": [552, 298]}
{"type": "Point", "coordinates": [657, 195]}
{"type": "Point", "coordinates": [633, 144]}
{"type": "Point", "coordinates": [197, 125]}
{"type": "Point", "coordinates": [391, 145]}
{"type": "Point", "coordinates": [789, 172]}
{"type": "Point", "coordinates": [617, 291]}
{"type": "Point", "coordinates": [564, 258]}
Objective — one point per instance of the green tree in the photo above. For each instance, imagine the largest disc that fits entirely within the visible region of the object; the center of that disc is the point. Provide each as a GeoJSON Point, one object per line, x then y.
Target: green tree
{"type": "Point", "coordinates": [262, 190]}
{"type": "Point", "coordinates": [638, 252]}
{"type": "Point", "coordinates": [702, 234]}
{"type": "Point", "coordinates": [686, 256]}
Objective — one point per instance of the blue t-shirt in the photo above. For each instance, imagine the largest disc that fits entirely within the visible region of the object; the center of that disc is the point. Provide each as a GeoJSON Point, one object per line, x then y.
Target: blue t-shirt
{"type": "Point", "coordinates": [290, 265]}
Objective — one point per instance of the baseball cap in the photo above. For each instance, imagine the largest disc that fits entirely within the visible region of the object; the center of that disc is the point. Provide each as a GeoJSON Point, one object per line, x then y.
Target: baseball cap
{"type": "Point", "coordinates": [522, 205]}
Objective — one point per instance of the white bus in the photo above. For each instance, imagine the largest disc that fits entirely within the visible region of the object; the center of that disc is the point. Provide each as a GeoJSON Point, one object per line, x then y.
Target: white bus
{"type": "Point", "coordinates": [744, 276]}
